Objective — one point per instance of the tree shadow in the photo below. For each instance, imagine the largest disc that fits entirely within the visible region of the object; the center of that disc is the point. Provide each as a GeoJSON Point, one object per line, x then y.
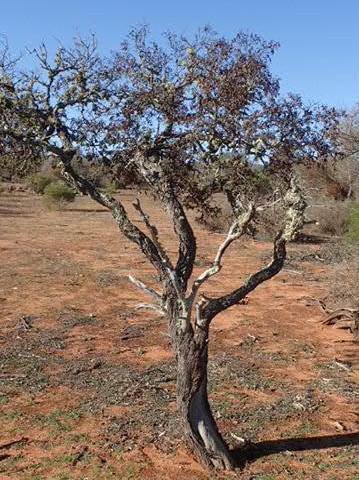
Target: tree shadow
{"type": "Point", "coordinates": [87, 210]}
{"type": "Point", "coordinates": [14, 213]}
{"type": "Point", "coordinates": [313, 239]}
{"type": "Point", "coordinates": [254, 451]}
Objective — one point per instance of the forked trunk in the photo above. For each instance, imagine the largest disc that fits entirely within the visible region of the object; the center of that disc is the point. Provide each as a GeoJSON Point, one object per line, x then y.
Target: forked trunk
{"type": "Point", "coordinates": [199, 425]}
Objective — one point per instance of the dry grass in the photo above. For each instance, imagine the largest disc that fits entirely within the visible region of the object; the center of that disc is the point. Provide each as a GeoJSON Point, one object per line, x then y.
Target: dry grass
{"type": "Point", "coordinates": [332, 217]}
{"type": "Point", "coordinates": [344, 282]}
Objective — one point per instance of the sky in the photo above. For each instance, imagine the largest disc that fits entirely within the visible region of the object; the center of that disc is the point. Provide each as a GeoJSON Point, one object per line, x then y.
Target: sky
{"type": "Point", "coordinates": [318, 57]}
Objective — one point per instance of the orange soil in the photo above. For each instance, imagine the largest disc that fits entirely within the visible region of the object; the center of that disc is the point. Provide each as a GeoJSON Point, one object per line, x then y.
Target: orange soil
{"type": "Point", "coordinates": [51, 268]}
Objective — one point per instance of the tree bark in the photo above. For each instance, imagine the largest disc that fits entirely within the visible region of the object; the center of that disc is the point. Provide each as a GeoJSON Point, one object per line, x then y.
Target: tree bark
{"type": "Point", "coordinates": [199, 426]}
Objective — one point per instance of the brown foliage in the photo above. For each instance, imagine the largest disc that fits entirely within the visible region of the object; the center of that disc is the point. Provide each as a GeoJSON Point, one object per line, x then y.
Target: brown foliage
{"type": "Point", "coordinates": [344, 279]}
{"type": "Point", "coordinates": [332, 216]}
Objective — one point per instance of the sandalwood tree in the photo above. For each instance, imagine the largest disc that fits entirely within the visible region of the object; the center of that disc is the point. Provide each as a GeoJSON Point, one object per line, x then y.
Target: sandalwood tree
{"type": "Point", "coordinates": [190, 117]}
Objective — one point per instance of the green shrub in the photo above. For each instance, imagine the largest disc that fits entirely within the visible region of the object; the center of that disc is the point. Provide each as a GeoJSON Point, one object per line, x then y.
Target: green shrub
{"type": "Point", "coordinates": [110, 189]}
{"type": "Point", "coordinates": [352, 233]}
{"type": "Point", "coordinates": [37, 183]}
{"type": "Point", "coordinates": [58, 195]}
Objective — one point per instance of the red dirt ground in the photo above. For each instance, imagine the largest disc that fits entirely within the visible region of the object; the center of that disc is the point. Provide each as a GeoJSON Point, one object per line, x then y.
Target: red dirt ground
{"type": "Point", "coordinates": [87, 381]}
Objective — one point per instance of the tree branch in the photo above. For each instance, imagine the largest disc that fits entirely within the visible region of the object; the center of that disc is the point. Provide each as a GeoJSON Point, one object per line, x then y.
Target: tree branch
{"type": "Point", "coordinates": [293, 223]}
{"type": "Point", "coordinates": [117, 210]}
{"type": "Point", "coordinates": [149, 306]}
{"type": "Point", "coordinates": [236, 230]}
{"type": "Point", "coordinates": [154, 234]}
{"type": "Point", "coordinates": [172, 274]}
{"type": "Point", "coordinates": [146, 289]}
{"type": "Point", "coordinates": [159, 181]}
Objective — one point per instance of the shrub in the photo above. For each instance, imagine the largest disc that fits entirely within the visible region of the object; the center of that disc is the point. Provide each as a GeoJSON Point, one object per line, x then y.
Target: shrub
{"type": "Point", "coordinates": [332, 217]}
{"type": "Point", "coordinates": [344, 280]}
{"type": "Point", "coordinates": [37, 182]}
{"type": "Point", "coordinates": [58, 195]}
{"type": "Point", "coordinates": [216, 219]}
{"type": "Point", "coordinates": [110, 189]}
{"type": "Point", "coordinates": [352, 233]}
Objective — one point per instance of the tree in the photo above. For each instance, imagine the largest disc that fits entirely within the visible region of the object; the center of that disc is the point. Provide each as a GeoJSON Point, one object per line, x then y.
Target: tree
{"type": "Point", "coordinates": [346, 172]}
{"type": "Point", "coordinates": [170, 113]}
{"type": "Point", "coordinates": [16, 159]}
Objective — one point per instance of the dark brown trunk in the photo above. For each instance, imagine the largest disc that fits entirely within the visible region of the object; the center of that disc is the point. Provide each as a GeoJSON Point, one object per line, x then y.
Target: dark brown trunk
{"type": "Point", "coordinates": [199, 425]}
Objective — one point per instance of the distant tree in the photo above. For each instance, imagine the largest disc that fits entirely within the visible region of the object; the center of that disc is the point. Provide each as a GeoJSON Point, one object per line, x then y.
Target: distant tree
{"type": "Point", "coordinates": [17, 159]}
{"type": "Point", "coordinates": [169, 113]}
{"type": "Point", "coordinates": [346, 172]}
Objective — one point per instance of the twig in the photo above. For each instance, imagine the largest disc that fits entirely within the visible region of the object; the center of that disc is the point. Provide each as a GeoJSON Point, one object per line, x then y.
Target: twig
{"type": "Point", "coordinates": [149, 306]}
{"type": "Point", "coordinates": [235, 231]}
{"type": "Point", "coordinates": [342, 365]}
{"type": "Point", "coordinates": [146, 288]}
{"type": "Point", "coordinates": [14, 442]}
{"type": "Point", "coordinates": [79, 456]}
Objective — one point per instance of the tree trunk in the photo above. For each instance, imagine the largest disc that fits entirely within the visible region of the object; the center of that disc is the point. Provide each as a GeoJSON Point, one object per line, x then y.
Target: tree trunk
{"type": "Point", "coordinates": [199, 425]}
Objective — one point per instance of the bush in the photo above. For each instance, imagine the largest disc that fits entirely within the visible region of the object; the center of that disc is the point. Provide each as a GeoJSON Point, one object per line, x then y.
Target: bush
{"type": "Point", "coordinates": [352, 232]}
{"type": "Point", "coordinates": [333, 217]}
{"type": "Point", "coordinates": [58, 195]}
{"type": "Point", "coordinates": [110, 189]}
{"type": "Point", "coordinates": [344, 279]}
{"type": "Point", "coordinates": [216, 218]}
{"type": "Point", "coordinates": [37, 182]}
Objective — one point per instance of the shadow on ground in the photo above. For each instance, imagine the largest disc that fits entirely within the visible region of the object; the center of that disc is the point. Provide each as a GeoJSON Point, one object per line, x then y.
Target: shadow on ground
{"type": "Point", "coordinates": [87, 210]}
{"type": "Point", "coordinates": [254, 451]}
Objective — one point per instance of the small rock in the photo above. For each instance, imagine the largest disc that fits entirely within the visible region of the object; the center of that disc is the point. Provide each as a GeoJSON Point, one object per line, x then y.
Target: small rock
{"type": "Point", "coordinates": [340, 427]}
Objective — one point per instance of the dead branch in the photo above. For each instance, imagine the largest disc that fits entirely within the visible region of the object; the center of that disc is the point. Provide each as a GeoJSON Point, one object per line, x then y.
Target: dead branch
{"type": "Point", "coordinates": [154, 175]}
{"type": "Point", "coordinates": [14, 442]}
{"type": "Point", "coordinates": [149, 306]}
{"type": "Point", "coordinates": [344, 318]}
{"type": "Point", "coordinates": [150, 291]}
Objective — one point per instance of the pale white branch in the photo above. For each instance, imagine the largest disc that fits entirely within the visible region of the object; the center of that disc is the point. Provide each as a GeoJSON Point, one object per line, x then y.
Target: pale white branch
{"type": "Point", "coordinates": [268, 205]}
{"type": "Point", "coordinates": [149, 306]}
{"type": "Point", "coordinates": [162, 253]}
{"type": "Point", "coordinates": [236, 230]}
{"type": "Point", "coordinates": [150, 291]}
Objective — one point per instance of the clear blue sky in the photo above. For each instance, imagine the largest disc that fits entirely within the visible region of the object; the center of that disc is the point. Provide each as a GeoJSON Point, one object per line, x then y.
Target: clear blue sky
{"type": "Point", "coordinates": [319, 54]}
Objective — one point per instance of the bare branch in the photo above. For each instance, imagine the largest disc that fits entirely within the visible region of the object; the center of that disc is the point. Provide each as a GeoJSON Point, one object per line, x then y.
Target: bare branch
{"type": "Point", "coordinates": [150, 291]}
{"type": "Point", "coordinates": [154, 234]}
{"type": "Point", "coordinates": [117, 210]}
{"type": "Point", "coordinates": [236, 230]}
{"type": "Point", "coordinates": [149, 306]}
{"type": "Point", "coordinates": [158, 180]}
{"type": "Point", "coordinates": [166, 261]}
{"type": "Point", "coordinates": [293, 223]}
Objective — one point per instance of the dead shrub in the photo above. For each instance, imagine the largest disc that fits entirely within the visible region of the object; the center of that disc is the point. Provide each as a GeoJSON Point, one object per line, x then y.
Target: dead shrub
{"type": "Point", "coordinates": [332, 217]}
{"type": "Point", "coordinates": [218, 220]}
{"type": "Point", "coordinates": [344, 284]}
{"type": "Point", "coordinates": [344, 277]}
